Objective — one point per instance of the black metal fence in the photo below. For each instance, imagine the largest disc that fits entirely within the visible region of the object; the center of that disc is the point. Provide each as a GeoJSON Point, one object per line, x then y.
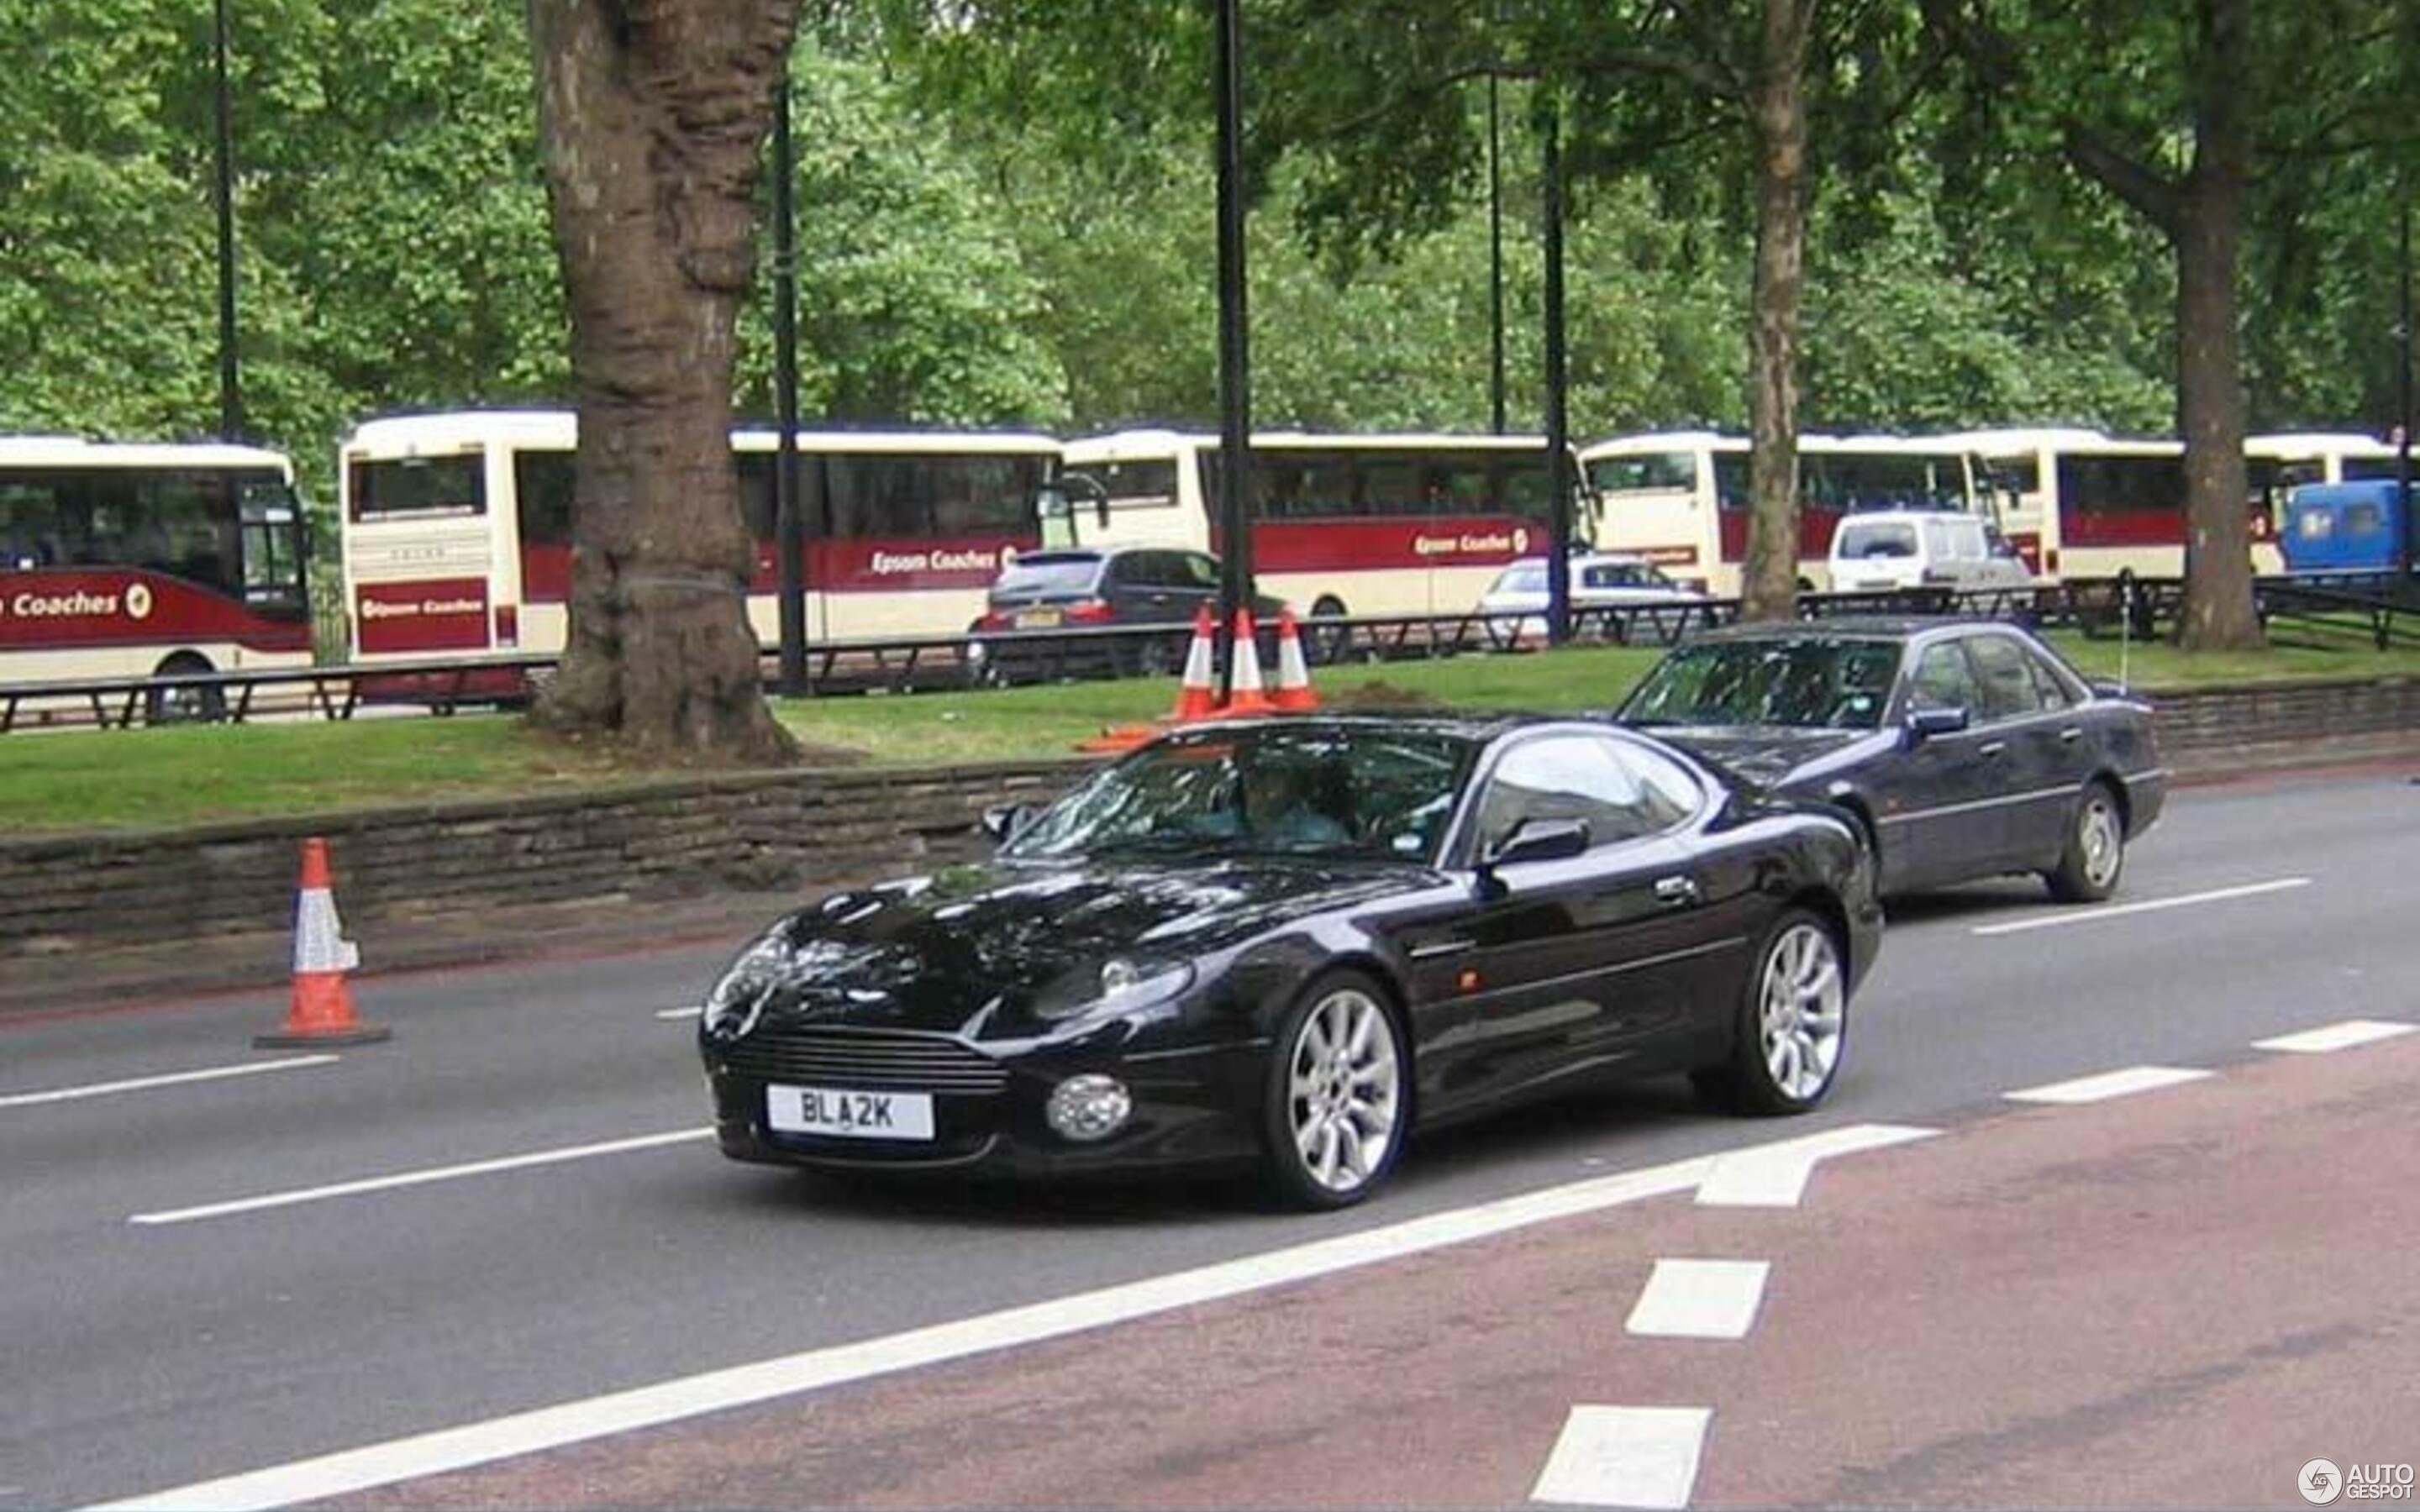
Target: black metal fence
{"type": "Point", "coordinates": [2377, 608]}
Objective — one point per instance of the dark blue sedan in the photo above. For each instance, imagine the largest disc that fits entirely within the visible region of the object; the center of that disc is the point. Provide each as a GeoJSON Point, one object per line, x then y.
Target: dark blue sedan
{"type": "Point", "coordinates": [1962, 749]}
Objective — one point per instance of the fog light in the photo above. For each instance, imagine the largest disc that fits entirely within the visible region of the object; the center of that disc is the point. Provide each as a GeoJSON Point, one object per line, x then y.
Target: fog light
{"type": "Point", "coordinates": [1086, 1109]}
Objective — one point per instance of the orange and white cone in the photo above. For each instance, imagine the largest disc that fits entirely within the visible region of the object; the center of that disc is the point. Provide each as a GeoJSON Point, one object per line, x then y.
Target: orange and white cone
{"type": "Point", "coordinates": [1245, 691]}
{"type": "Point", "coordinates": [321, 1011]}
{"type": "Point", "coordinates": [1293, 693]}
{"type": "Point", "coordinates": [1197, 697]}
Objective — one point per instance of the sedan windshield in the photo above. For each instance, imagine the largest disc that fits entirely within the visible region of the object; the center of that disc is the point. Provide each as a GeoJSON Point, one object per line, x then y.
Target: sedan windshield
{"type": "Point", "coordinates": [1808, 680]}
{"type": "Point", "coordinates": [1292, 789]}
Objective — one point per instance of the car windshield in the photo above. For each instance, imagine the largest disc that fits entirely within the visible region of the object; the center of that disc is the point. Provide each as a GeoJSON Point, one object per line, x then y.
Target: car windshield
{"type": "Point", "coordinates": [1351, 790]}
{"type": "Point", "coordinates": [1809, 681]}
{"type": "Point", "coordinates": [1522, 577]}
{"type": "Point", "coordinates": [1877, 538]}
{"type": "Point", "coordinates": [1040, 574]}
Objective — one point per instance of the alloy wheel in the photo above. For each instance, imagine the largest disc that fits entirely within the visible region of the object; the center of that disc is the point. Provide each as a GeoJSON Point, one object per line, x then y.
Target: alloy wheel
{"type": "Point", "coordinates": [1344, 1090]}
{"type": "Point", "coordinates": [1800, 1004]}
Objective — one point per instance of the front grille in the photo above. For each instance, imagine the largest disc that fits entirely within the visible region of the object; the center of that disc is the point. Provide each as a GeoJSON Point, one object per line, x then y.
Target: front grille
{"type": "Point", "coordinates": [897, 1059]}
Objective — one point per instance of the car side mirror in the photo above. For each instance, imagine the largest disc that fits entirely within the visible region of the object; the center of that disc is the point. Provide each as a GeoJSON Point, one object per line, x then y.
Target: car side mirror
{"type": "Point", "coordinates": [2108, 688]}
{"type": "Point", "coordinates": [1004, 821]}
{"type": "Point", "coordinates": [1539, 840]}
{"type": "Point", "coordinates": [1924, 724]}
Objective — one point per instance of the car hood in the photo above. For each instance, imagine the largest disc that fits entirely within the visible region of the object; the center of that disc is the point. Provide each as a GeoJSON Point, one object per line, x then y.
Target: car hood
{"type": "Point", "coordinates": [1006, 952]}
{"type": "Point", "coordinates": [1768, 755]}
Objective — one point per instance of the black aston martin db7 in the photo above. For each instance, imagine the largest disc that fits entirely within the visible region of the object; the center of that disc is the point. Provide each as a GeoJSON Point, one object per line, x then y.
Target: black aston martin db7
{"type": "Point", "coordinates": [1290, 942]}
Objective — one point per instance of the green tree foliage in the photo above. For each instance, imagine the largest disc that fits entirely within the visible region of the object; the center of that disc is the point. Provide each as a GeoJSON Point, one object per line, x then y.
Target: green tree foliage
{"type": "Point", "coordinates": [1005, 218]}
{"type": "Point", "coordinates": [916, 300]}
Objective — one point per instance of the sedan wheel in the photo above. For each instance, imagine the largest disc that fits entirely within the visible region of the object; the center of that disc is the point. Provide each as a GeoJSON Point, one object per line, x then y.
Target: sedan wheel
{"type": "Point", "coordinates": [2095, 856]}
{"type": "Point", "coordinates": [1795, 1023]}
{"type": "Point", "coordinates": [1334, 1123]}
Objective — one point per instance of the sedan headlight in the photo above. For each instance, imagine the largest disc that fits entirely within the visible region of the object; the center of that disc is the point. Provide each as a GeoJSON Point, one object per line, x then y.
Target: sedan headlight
{"type": "Point", "coordinates": [1121, 984]}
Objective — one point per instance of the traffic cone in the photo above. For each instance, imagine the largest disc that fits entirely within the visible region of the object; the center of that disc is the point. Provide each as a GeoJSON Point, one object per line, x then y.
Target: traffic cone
{"type": "Point", "coordinates": [1197, 697]}
{"type": "Point", "coordinates": [321, 1013]}
{"type": "Point", "coordinates": [1293, 693]}
{"type": "Point", "coordinates": [1244, 690]}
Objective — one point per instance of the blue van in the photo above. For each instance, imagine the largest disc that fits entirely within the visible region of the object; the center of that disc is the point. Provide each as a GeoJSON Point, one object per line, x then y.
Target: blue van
{"type": "Point", "coordinates": [2342, 527]}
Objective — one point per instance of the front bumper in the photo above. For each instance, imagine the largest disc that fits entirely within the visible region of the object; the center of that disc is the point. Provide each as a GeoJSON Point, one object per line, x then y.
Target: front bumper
{"type": "Point", "coordinates": [1193, 1106]}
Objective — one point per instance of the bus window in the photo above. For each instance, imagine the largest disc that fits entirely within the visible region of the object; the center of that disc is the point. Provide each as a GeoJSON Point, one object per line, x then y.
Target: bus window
{"type": "Point", "coordinates": [542, 482]}
{"type": "Point", "coordinates": [419, 485]}
{"type": "Point", "coordinates": [1646, 470]}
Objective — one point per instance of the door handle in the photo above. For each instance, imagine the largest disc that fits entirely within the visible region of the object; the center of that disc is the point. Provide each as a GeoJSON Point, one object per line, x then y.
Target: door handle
{"type": "Point", "coordinates": [1991, 748]}
{"type": "Point", "coordinates": [1677, 892]}
{"type": "Point", "coordinates": [2072, 733]}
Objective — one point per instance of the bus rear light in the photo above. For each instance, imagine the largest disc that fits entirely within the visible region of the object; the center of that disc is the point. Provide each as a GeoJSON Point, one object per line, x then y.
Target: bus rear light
{"type": "Point", "coordinates": [508, 624]}
{"type": "Point", "coordinates": [2050, 560]}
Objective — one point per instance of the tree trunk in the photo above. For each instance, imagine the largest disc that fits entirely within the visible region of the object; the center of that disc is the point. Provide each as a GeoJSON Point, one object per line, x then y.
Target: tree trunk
{"type": "Point", "coordinates": [1777, 127]}
{"type": "Point", "coordinates": [2218, 613]}
{"type": "Point", "coordinates": [652, 114]}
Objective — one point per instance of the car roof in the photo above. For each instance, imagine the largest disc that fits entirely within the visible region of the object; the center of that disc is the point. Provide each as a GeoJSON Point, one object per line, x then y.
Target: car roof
{"type": "Point", "coordinates": [1474, 727]}
{"type": "Point", "coordinates": [1849, 628]}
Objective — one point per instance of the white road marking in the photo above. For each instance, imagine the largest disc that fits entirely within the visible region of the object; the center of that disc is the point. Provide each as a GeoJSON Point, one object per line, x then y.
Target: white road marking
{"type": "Point", "coordinates": [1775, 1175]}
{"type": "Point", "coordinates": [2107, 1084]}
{"type": "Point", "coordinates": [143, 1083]}
{"type": "Point", "coordinates": [1625, 1457]}
{"type": "Point", "coordinates": [1701, 1299]}
{"type": "Point", "coordinates": [2342, 1036]}
{"type": "Point", "coordinates": [420, 1178]}
{"type": "Point", "coordinates": [690, 1012]}
{"type": "Point", "coordinates": [2095, 913]}
{"type": "Point", "coordinates": [548, 1427]}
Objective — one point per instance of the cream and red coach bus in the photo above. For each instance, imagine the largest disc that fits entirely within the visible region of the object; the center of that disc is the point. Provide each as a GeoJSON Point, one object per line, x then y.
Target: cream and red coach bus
{"type": "Point", "coordinates": [457, 529]}
{"type": "Point", "coordinates": [133, 560]}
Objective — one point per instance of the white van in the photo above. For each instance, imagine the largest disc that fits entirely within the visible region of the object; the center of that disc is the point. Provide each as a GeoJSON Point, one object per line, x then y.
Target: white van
{"type": "Point", "coordinates": [1913, 547]}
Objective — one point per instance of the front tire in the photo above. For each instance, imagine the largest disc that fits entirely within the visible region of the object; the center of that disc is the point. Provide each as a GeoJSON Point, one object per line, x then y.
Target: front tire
{"type": "Point", "coordinates": [1792, 1033]}
{"type": "Point", "coordinates": [1338, 1099]}
{"type": "Point", "coordinates": [2095, 856]}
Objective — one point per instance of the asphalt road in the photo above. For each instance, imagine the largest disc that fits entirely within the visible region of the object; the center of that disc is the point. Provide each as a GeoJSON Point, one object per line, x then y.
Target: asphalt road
{"type": "Point", "coordinates": [161, 1333]}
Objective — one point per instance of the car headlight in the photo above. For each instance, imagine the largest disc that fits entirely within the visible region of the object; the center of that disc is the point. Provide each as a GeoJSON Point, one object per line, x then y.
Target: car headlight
{"type": "Point", "coordinates": [1121, 984]}
{"type": "Point", "coordinates": [739, 996]}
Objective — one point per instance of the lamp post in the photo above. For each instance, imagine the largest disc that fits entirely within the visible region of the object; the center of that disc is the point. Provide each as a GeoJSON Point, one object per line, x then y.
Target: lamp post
{"type": "Point", "coordinates": [230, 390]}
{"type": "Point", "coordinates": [789, 523]}
{"type": "Point", "coordinates": [1558, 461]}
{"type": "Point", "coordinates": [2405, 551]}
{"type": "Point", "coordinates": [1234, 338]}
{"type": "Point", "coordinates": [1495, 253]}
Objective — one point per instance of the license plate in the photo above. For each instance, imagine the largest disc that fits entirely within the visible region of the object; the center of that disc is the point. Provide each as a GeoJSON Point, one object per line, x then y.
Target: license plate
{"type": "Point", "coordinates": [1038, 618]}
{"type": "Point", "coordinates": [841, 1113]}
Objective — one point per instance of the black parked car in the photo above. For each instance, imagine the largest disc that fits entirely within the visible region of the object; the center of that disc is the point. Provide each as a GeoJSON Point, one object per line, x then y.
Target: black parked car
{"type": "Point", "coordinates": [1074, 589]}
{"type": "Point", "coordinates": [1964, 748]}
{"type": "Point", "coordinates": [1292, 941]}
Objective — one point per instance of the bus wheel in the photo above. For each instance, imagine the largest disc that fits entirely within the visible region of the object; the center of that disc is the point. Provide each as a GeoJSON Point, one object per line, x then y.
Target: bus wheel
{"type": "Point", "coordinates": [184, 706]}
{"type": "Point", "coordinates": [1328, 642]}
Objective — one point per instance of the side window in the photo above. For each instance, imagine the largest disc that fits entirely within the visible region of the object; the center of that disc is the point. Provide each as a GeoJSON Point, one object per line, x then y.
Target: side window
{"type": "Point", "coordinates": [1196, 571]}
{"type": "Point", "coordinates": [1619, 791]}
{"type": "Point", "coordinates": [1943, 681]}
{"type": "Point", "coordinates": [2048, 685]}
{"type": "Point", "coordinates": [2007, 677]}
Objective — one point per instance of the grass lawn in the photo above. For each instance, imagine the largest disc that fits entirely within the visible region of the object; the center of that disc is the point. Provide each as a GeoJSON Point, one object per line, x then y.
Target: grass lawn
{"type": "Point", "coordinates": [84, 779]}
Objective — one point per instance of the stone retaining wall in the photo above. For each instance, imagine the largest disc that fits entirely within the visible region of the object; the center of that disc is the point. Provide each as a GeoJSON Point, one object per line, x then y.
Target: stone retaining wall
{"type": "Point", "coordinates": [757, 831]}
{"type": "Point", "coordinates": [664, 840]}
